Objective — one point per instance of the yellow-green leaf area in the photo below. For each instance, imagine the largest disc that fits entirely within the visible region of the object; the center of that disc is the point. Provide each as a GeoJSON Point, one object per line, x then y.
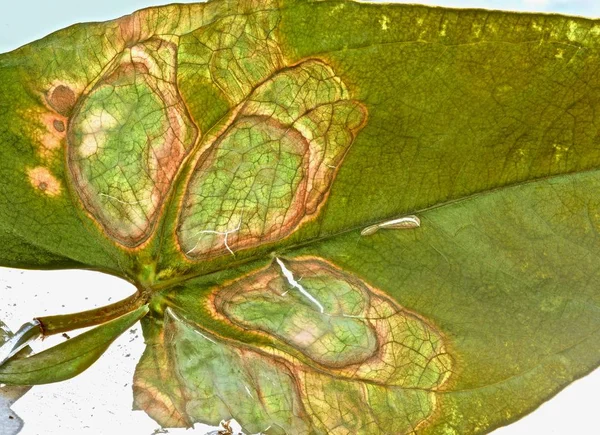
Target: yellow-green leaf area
{"type": "Point", "coordinates": [235, 51]}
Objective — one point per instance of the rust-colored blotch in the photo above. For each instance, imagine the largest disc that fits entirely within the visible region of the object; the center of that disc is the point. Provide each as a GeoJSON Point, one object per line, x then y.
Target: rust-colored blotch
{"type": "Point", "coordinates": [59, 125]}
{"type": "Point", "coordinates": [62, 99]}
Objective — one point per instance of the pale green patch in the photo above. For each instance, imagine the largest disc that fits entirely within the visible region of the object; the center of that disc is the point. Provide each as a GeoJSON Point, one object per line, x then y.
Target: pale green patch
{"type": "Point", "coordinates": [572, 31]}
{"type": "Point", "coordinates": [221, 382]}
{"type": "Point", "coordinates": [337, 337]}
{"type": "Point", "coordinates": [384, 22]}
{"type": "Point", "coordinates": [127, 139]}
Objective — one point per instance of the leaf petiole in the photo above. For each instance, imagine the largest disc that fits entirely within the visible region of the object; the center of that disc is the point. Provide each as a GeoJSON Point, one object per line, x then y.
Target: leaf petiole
{"type": "Point", "coordinates": [50, 325]}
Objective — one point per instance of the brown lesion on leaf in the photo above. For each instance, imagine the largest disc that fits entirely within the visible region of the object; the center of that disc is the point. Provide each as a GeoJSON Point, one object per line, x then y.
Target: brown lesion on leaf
{"type": "Point", "coordinates": [44, 182]}
{"type": "Point", "coordinates": [244, 191]}
{"type": "Point", "coordinates": [235, 51]}
{"type": "Point", "coordinates": [51, 118]}
{"type": "Point", "coordinates": [52, 134]}
{"type": "Point", "coordinates": [227, 233]}
{"type": "Point", "coordinates": [349, 328]}
{"type": "Point", "coordinates": [62, 99]}
{"type": "Point", "coordinates": [130, 27]}
{"type": "Point", "coordinates": [157, 404]}
{"type": "Point", "coordinates": [58, 125]}
{"type": "Point", "coordinates": [127, 138]}
{"type": "Point", "coordinates": [274, 360]}
{"type": "Point", "coordinates": [236, 380]}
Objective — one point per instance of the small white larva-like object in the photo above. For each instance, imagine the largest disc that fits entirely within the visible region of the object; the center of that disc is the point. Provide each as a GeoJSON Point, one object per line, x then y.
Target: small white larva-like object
{"type": "Point", "coordinates": [370, 230]}
{"type": "Point", "coordinates": [405, 222]}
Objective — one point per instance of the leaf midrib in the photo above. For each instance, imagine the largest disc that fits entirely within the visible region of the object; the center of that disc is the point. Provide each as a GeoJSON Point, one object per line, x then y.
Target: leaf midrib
{"type": "Point", "coordinates": [163, 285]}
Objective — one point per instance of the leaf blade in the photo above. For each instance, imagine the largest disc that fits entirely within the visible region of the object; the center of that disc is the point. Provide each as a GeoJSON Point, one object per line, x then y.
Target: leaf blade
{"type": "Point", "coordinates": [476, 120]}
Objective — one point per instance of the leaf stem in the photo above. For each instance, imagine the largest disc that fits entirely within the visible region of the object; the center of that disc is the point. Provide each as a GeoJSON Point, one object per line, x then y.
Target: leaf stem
{"type": "Point", "coordinates": [67, 322]}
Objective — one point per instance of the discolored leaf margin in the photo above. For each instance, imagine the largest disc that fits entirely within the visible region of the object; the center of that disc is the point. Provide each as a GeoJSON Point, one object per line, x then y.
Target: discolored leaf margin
{"type": "Point", "coordinates": [481, 123]}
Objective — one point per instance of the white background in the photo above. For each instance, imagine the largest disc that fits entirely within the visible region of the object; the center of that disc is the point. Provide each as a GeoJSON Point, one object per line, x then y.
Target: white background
{"type": "Point", "coordinates": [99, 400]}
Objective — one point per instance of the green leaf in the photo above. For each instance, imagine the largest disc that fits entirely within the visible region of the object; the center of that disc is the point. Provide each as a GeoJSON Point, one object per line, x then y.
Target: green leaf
{"type": "Point", "coordinates": [250, 166]}
{"type": "Point", "coordinates": [70, 358]}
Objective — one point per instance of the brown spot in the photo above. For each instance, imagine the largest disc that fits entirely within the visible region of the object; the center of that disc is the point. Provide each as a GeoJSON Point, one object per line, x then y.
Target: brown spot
{"type": "Point", "coordinates": [41, 179]}
{"type": "Point", "coordinates": [59, 125]}
{"type": "Point", "coordinates": [62, 99]}
{"type": "Point", "coordinates": [50, 137]}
